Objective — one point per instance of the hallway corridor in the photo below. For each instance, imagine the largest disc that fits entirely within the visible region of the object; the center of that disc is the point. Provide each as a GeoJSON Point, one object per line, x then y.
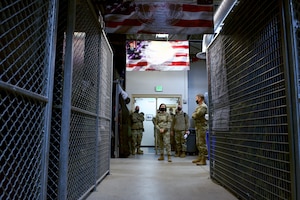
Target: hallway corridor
{"type": "Point", "coordinates": [143, 177]}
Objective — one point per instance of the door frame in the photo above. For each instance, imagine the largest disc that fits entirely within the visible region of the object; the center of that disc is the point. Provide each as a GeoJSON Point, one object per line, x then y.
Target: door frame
{"type": "Point", "coordinates": [156, 97]}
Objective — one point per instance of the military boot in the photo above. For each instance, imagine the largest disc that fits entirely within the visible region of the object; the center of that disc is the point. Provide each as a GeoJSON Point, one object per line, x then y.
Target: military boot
{"type": "Point", "coordinates": [182, 155]}
{"type": "Point", "coordinates": [169, 158]}
{"type": "Point", "coordinates": [202, 161]}
{"type": "Point", "coordinates": [197, 160]}
{"type": "Point", "coordinates": [161, 157]}
{"type": "Point", "coordinates": [176, 154]}
{"type": "Point", "coordinates": [139, 151]}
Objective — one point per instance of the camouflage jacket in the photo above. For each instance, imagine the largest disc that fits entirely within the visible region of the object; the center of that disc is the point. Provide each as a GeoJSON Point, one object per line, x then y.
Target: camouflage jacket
{"type": "Point", "coordinates": [199, 115]}
{"type": "Point", "coordinates": [180, 122]}
{"type": "Point", "coordinates": [137, 120]}
{"type": "Point", "coordinates": [163, 121]}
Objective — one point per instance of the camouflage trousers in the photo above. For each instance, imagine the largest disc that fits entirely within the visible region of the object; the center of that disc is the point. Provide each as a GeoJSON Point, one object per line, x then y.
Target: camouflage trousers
{"type": "Point", "coordinates": [201, 140]}
{"type": "Point", "coordinates": [164, 142]}
{"type": "Point", "coordinates": [137, 135]}
{"type": "Point", "coordinates": [180, 141]}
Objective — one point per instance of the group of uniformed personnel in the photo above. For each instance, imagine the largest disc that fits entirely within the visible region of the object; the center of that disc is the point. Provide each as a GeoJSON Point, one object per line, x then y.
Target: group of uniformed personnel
{"type": "Point", "coordinates": [178, 126]}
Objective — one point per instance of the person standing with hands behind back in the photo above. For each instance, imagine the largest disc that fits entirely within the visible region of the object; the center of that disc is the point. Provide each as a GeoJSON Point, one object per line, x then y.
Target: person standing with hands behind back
{"type": "Point", "coordinates": [200, 128]}
{"type": "Point", "coordinates": [163, 125]}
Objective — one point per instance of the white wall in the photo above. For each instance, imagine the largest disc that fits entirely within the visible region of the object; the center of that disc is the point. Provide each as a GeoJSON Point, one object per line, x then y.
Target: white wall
{"type": "Point", "coordinates": [184, 83]}
{"type": "Point", "coordinates": [145, 82]}
{"type": "Point", "coordinates": [198, 83]}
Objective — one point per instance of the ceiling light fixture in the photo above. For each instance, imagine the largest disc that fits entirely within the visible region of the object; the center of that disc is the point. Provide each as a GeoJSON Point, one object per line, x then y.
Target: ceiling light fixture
{"type": "Point", "coordinates": [162, 35]}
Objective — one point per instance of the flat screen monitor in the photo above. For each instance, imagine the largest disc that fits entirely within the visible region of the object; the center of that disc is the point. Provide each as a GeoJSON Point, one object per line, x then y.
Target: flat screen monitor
{"type": "Point", "coordinates": [157, 55]}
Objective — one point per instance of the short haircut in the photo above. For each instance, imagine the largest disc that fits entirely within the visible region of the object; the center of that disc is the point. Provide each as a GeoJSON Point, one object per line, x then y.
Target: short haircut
{"type": "Point", "coordinates": [200, 96]}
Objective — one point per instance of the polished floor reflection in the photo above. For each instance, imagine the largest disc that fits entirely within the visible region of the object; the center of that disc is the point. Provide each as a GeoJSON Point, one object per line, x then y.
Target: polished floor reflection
{"type": "Point", "coordinates": [144, 177]}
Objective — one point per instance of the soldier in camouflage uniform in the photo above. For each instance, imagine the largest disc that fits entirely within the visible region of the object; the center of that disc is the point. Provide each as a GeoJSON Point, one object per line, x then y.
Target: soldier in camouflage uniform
{"type": "Point", "coordinates": [179, 127]}
{"type": "Point", "coordinates": [172, 136]}
{"type": "Point", "coordinates": [163, 125]}
{"type": "Point", "coordinates": [137, 128]}
{"type": "Point", "coordinates": [200, 128]}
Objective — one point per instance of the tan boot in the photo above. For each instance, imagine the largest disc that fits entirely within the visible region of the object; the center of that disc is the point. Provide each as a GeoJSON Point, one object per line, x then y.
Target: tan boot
{"type": "Point", "coordinates": [182, 155]}
{"type": "Point", "coordinates": [139, 151]}
{"type": "Point", "coordinates": [202, 161]}
{"type": "Point", "coordinates": [197, 160]}
{"type": "Point", "coordinates": [176, 154]}
{"type": "Point", "coordinates": [169, 158]}
{"type": "Point", "coordinates": [161, 157]}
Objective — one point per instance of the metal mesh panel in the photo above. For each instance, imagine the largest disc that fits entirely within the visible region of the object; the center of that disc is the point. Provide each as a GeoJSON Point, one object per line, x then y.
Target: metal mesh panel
{"type": "Point", "coordinates": [84, 96]}
{"type": "Point", "coordinates": [53, 169]}
{"type": "Point", "coordinates": [23, 36]}
{"type": "Point", "coordinates": [26, 85]}
{"type": "Point", "coordinates": [295, 85]}
{"type": "Point", "coordinates": [24, 79]}
{"type": "Point", "coordinates": [104, 148]}
{"type": "Point", "coordinates": [21, 146]}
{"type": "Point", "coordinates": [89, 137]}
{"type": "Point", "coordinates": [105, 109]}
{"type": "Point", "coordinates": [296, 6]}
{"type": "Point", "coordinates": [81, 170]}
{"type": "Point", "coordinates": [249, 128]}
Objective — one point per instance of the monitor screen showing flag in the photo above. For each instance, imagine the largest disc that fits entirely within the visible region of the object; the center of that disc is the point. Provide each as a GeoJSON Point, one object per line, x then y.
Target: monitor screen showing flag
{"type": "Point", "coordinates": [157, 55]}
{"type": "Point", "coordinates": [150, 17]}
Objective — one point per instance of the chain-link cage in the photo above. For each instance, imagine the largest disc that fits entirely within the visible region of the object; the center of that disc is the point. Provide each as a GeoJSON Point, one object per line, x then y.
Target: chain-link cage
{"type": "Point", "coordinates": [296, 17]}
{"type": "Point", "coordinates": [105, 110]}
{"type": "Point", "coordinates": [53, 169]}
{"type": "Point", "coordinates": [295, 72]}
{"type": "Point", "coordinates": [249, 127]}
{"type": "Point", "coordinates": [26, 36]}
{"type": "Point", "coordinates": [39, 159]}
{"type": "Point", "coordinates": [91, 95]}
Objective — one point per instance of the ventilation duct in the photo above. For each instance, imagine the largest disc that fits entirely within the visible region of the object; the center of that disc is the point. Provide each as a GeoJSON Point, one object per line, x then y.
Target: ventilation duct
{"type": "Point", "coordinates": [220, 15]}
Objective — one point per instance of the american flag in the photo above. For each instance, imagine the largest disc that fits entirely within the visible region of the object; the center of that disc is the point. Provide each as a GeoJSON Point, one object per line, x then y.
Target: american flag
{"type": "Point", "coordinates": [132, 17]}
{"type": "Point", "coordinates": [157, 56]}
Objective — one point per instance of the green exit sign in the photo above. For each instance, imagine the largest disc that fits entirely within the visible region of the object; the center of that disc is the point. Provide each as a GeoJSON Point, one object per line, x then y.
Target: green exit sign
{"type": "Point", "coordinates": [158, 88]}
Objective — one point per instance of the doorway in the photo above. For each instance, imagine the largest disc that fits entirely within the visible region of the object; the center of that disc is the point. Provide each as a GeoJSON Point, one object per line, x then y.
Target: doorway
{"type": "Point", "coordinates": [149, 105]}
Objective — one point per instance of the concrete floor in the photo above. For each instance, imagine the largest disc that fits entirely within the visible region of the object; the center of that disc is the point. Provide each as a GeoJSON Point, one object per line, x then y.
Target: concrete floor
{"type": "Point", "coordinates": [144, 177]}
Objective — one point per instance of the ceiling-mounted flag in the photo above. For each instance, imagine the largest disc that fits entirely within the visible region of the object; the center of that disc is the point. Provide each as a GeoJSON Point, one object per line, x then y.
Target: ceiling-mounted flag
{"type": "Point", "coordinates": [133, 17]}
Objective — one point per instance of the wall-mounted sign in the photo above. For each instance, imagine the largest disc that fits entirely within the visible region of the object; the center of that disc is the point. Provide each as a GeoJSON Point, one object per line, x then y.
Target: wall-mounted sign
{"type": "Point", "coordinates": [158, 88]}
